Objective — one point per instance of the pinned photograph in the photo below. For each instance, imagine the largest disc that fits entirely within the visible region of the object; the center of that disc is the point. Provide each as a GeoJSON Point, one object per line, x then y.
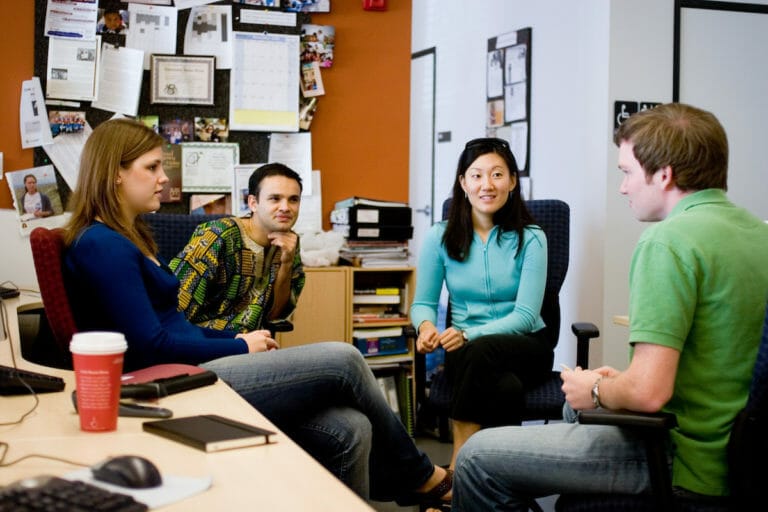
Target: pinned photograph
{"type": "Point", "coordinates": [36, 198]}
{"type": "Point", "coordinates": [211, 129]}
{"type": "Point", "coordinates": [311, 80]}
{"type": "Point", "coordinates": [308, 5]}
{"type": "Point", "coordinates": [317, 42]}
{"type": "Point", "coordinates": [176, 131]}
{"type": "Point", "coordinates": [112, 21]}
{"type": "Point", "coordinates": [66, 121]}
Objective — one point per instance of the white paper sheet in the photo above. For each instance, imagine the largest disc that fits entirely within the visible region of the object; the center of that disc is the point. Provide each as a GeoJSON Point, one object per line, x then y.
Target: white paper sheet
{"type": "Point", "coordinates": [65, 153]}
{"type": "Point", "coordinates": [208, 166]}
{"type": "Point", "coordinates": [264, 84]}
{"type": "Point", "coordinates": [295, 151]}
{"type": "Point", "coordinates": [120, 75]}
{"type": "Point", "coordinates": [71, 19]}
{"type": "Point", "coordinates": [71, 72]}
{"type": "Point", "coordinates": [33, 116]}
{"type": "Point", "coordinates": [209, 32]}
{"type": "Point", "coordinates": [186, 4]}
{"type": "Point", "coordinates": [311, 211]}
{"type": "Point", "coordinates": [153, 30]}
{"type": "Point", "coordinates": [240, 188]}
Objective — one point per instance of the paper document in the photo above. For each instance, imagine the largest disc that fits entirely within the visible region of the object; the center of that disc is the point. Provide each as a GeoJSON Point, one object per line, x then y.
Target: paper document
{"type": "Point", "coordinates": [120, 76]}
{"type": "Point", "coordinates": [73, 19]}
{"type": "Point", "coordinates": [65, 153]}
{"type": "Point", "coordinates": [209, 32]}
{"type": "Point", "coordinates": [264, 84]}
{"type": "Point", "coordinates": [71, 72]}
{"type": "Point", "coordinates": [208, 166]}
{"type": "Point", "coordinates": [33, 116]}
{"type": "Point", "coordinates": [295, 151]}
{"type": "Point", "coordinates": [153, 30]}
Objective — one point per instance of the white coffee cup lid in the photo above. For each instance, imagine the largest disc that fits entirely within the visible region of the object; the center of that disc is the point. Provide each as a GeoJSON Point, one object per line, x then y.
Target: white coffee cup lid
{"type": "Point", "coordinates": [98, 342]}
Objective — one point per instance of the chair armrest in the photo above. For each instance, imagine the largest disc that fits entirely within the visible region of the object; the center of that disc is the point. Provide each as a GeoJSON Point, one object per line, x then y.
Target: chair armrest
{"type": "Point", "coordinates": [584, 331]}
{"type": "Point", "coordinates": [624, 418]}
{"type": "Point", "coordinates": [275, 326]}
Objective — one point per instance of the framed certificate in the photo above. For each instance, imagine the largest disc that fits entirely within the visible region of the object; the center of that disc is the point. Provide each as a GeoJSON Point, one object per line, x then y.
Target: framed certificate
{"type": "Point", "coordinates": [181, 79]}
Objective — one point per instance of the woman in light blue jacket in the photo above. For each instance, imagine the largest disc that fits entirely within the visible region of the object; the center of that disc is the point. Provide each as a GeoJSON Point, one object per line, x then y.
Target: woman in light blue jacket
{"type": "Point", "coordinates": [493, 260]}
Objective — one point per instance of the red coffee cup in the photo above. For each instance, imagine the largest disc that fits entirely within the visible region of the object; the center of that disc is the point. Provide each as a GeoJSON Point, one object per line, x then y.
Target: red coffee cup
{"type": "Point", "coordinates": [98, 362]}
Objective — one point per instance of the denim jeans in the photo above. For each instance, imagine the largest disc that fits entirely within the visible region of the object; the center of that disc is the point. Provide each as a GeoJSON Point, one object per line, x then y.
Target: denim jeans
{"type": "Point", "coordinates": [325, 398]}
{"type": "Point", "coordinates": [504, 468]}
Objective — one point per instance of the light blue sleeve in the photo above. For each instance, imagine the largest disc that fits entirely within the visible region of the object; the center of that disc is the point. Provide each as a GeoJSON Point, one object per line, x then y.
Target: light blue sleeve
{"type": "Point", "coordinates": [526, 315]}
{"type": "Point", "coordinates": [430, 273]}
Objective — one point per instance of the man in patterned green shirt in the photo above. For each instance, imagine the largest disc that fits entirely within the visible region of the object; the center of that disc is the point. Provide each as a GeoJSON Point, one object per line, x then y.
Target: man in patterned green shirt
{"type": "Point", "coordinates": [238, 273]}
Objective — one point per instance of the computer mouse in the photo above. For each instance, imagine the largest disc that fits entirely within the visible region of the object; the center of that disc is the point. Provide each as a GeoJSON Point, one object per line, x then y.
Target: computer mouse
{"type": "Point", "coordinates": [128, 471]}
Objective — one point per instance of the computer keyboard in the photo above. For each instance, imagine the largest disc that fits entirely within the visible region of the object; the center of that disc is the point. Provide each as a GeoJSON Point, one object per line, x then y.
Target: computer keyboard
{"type": "Point", "coordinates": [11, 381]}
{"type": "Point", "coordinates": [52, 494]}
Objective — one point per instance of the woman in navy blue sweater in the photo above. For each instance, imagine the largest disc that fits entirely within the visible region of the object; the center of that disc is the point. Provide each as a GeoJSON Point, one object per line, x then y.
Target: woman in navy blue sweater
{"type": "Point", "coordinates": [322, 395]}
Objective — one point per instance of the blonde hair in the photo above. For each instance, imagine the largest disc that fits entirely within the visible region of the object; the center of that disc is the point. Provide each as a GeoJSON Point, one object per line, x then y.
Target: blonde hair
{"type": "Point", "coordinates": [112, 146]}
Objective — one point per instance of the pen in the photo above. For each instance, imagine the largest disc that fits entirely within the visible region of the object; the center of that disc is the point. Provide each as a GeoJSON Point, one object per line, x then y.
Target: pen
{"type": "Point", "coordinates": [565, 367]}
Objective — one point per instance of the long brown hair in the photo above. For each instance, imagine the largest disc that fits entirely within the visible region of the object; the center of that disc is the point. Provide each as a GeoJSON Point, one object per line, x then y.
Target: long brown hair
{"type": "Point", "coordinates": [112, 146]}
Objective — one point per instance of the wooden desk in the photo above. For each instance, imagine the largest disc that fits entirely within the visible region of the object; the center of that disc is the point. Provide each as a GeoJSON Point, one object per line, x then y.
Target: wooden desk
{"type": "Point", "coordinates": [278, 476]}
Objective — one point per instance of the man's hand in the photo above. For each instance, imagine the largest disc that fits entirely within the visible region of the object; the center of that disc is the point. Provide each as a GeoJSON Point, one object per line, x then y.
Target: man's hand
{"type": "Point", "coordinates": [286, 241]}
{"type": "Point", "coordinates": [578, 384]}
{"type": "Point", "coordinates": [258, 341]}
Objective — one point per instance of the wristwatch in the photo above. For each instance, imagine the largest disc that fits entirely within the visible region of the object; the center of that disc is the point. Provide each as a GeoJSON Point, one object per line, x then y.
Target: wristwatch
{"type": "Point", "coordinates": [465, 336]}
{"type": "Point", "coordinates": [596, 393]}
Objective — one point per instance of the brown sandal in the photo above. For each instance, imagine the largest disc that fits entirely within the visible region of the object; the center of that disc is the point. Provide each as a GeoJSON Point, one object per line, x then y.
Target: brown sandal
{"type": "Point", "coordinates": [433, 497]}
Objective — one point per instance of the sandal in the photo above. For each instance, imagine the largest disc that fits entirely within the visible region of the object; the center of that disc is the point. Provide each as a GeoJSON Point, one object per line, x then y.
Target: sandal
{"type": "Point", "coordinates": [431, 498]}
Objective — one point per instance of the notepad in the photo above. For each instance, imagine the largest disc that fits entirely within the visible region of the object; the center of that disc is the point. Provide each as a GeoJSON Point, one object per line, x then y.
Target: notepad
{"type": "Point", "coordinates": [209, 432]}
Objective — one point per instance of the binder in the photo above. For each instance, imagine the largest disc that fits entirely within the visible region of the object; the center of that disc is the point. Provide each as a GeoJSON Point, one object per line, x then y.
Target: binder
{"type": "Point", "coordinates": [357, 200]}
{"type": "Point", "coordinates": [374, 232]}
{"type": "Point", "coordinates": [359, 214]}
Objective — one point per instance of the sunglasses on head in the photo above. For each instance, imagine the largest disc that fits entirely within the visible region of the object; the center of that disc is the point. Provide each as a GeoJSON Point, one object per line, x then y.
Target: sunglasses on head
{"type": "Point", "coordinates": [488, 141]}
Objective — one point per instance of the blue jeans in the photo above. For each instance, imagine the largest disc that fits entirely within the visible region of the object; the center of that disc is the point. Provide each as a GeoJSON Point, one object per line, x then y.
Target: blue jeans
{"type": "Point", "coordinates": [504, 468]}
{"type": "Point", "coordinates": [325, 398]}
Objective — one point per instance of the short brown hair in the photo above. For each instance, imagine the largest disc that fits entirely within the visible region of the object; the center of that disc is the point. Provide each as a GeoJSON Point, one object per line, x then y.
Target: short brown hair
{"type": "Point", "coordinates": [689, 140]}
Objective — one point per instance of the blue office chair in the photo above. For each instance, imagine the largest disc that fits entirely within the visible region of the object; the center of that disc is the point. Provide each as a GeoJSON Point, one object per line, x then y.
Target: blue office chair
{"type": "Point", "coordinates": [747, 455]}
{"type": "Point", "coordinates": [545, 401]}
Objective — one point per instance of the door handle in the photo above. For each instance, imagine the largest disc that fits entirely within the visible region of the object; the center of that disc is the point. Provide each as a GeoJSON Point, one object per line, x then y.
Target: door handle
{"type": "Point", "coordinates": [427, 210]}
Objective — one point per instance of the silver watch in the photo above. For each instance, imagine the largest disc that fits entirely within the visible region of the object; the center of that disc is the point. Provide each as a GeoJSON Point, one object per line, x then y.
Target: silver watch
{"type": "Point", "coordinates": [596, 393]}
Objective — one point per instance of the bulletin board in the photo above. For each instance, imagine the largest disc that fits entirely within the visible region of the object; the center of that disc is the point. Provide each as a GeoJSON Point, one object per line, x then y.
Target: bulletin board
{"type": "Point", "coordinates": [253, 146]}
{"type": "Point", "coordinates": [508, 92]}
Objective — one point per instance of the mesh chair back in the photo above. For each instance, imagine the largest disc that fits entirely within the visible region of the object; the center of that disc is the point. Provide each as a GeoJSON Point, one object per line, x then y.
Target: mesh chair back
{"type": "Point", "coordinates": [171, 231]}
{"type": "Point", "coordinates": [47, 253]}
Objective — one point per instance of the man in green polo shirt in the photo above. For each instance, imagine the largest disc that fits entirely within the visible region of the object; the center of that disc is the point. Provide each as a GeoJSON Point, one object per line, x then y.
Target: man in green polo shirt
{"type": "Point", "coordinates": [698, 293]}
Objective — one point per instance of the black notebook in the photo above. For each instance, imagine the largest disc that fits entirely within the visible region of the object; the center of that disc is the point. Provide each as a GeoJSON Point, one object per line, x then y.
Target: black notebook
{"type": "Point", "coordinates": [209, 432]}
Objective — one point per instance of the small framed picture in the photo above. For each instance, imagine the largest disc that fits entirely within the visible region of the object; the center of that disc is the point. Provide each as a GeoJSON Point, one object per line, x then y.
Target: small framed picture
{"type": "Point", "coordinates": [182, 79]}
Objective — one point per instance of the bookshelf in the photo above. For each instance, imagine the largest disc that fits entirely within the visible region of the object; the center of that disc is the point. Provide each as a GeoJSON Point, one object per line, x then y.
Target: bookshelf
{"type": "Point", "coordinates": [338, 303]}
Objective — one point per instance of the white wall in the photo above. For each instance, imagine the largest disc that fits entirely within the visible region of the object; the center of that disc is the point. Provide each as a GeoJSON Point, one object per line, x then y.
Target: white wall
{"type": "Point", "coordinates": [16, 263]}
{"type": "Point", "coordinates": [586, 55]}
{"type": "Point", "coordinates": [569, 80]}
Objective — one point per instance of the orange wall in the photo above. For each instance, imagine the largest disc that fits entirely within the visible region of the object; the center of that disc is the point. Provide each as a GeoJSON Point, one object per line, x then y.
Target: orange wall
{"type": "Point", "coordinates": [360, 132]}
{"type": "Point", "coordinates": [17, 34]}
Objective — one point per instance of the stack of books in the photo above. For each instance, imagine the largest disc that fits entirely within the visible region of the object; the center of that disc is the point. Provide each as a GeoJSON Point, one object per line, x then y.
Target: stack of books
{"type": "Point", "coordinates": [377, 305]}
{"type": "Point", "coordinates": [376, 232]}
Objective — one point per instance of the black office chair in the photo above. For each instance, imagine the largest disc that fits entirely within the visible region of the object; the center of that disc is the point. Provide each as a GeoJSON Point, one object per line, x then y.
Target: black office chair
{"type": "Point", "coordinates": [747, 456]}
{"type": "Point", "coordinates": [545, 401]}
